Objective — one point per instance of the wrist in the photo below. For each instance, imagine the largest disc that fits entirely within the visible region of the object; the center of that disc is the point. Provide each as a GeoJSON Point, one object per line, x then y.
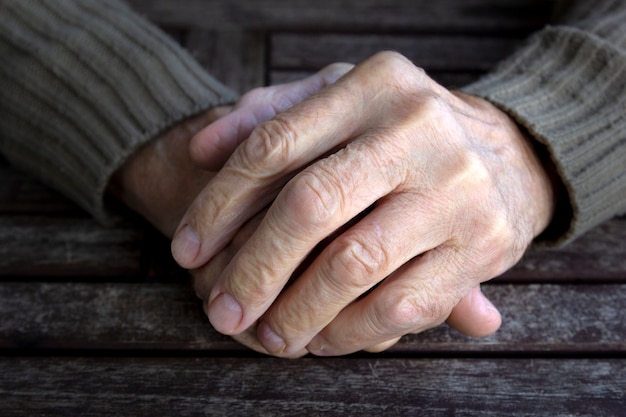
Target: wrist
{"type": "Point", "coordinates": [159, 181]}
{"type": "Point", "coordinates": [538, 187]}
{"type": "Point", "coordinates": [542, 183]}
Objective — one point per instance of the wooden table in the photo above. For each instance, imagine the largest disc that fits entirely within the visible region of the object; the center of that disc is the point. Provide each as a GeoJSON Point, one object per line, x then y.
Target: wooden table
{"type": "Point", "coordinates": [97, 321]}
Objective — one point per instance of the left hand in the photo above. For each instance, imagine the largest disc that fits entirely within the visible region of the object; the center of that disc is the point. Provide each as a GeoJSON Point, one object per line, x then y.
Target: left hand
{"type": "Point", "coordinates": [449, 190]}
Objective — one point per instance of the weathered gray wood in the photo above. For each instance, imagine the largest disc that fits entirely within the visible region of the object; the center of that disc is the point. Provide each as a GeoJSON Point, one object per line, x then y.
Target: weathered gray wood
{"type": "Point", "coordinates": [235, 57]}
{"type": "Point", "coordinates": [541, 318]}
{"type": "Point", "coordinates": [599, 255]}
{"type": "Point", "coordinates": [20, 193]}
{"type": "Point", "coordinates": [61, 246]}
{"type": "Point", "coordinates": [148, 349]}
{"type": "Point", "coordinates": [54, 246]}
{"type": "Point", "coordinates": [271, 387]}
{"type": "Point", "coordinates": [537, 318]}
{"type": "Point", "coordinates": [350, 15]}
{"type": "Point", "coordinates": [433, 53]}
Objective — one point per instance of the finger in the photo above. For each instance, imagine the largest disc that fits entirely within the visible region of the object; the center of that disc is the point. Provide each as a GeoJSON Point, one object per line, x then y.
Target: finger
{"type": "Point", "coordinates": [247, 183]}
{"type": "Point", "coordinates": [211, 147]}
{"type": "Point", "coordinates": [349, 266]}
{"type": "Point", "coordinates": [382, 346]}
{"type": "Point", "coordinates": [475, 315]}
{"type": "Point", "coordinates": [248, 338]}
{"type": "Point", "coordinates": [417, 297]}
{"type": "Point", "coordinates": [315, 203]}
{"type": "Point", "coordinates": [275, 150]}
{"type": "Point", "coordinates": [204, 278]}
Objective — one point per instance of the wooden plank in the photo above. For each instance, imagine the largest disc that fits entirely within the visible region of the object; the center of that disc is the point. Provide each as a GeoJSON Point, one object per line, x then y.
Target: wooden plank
{"type": "Point", "coordinates": [433, 53]}
{"type": "Point", "coordinates": [599, 255]}
{"type": "Point", "coordinates": [541, 318]}
{"type": "Point", "coordinates": [537, 318]}
{"type": "Point", "coordinates": [351, 15]}
{"type": "Point", "coordinates": [61, 247]}
{"type": "Point", "coordinates": [103, 316]}
{"type": "Point", "coordinates": [57, 246]}
{"type": "Point", "coordinates": [235, 57]}
{"type": "Point", "coordinates": [20, 193]}
{"type": "Point", "coordinates": [271, 387]}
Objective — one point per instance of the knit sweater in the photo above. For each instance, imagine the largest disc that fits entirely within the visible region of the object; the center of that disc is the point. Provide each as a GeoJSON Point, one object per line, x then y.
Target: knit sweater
{"type": "Point", "coordinates": [567, 87]}
{"type": "Point", "coordinates": [86, 82]}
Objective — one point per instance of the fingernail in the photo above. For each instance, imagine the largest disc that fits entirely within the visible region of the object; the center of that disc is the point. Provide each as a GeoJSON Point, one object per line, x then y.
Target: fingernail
{"type": "Point", "coordinates": [225, 314]}
{"type": "Point", "coordinates": [485, 303]}
{"type": "Point", "coordinates": [185, 246]}
{"type": "Point", "coordinates": [489, 306]}
{"type": "Point", "coordinates": [317, 345]}
{"type": "Point", "coordinates": [270, 340]}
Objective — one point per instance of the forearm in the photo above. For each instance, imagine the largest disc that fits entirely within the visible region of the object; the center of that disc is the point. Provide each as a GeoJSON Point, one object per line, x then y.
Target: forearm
{"type": "Point", "coordinates": [567, 87]}
{"type": "Point", "coordinates": [84, 86]}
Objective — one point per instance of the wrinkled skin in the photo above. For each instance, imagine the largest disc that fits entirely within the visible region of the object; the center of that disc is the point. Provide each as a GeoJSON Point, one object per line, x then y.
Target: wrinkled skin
{"type": "Point", "coordinates": [441, 191]}
{"type": "Point", "coordinates": [160, 181]}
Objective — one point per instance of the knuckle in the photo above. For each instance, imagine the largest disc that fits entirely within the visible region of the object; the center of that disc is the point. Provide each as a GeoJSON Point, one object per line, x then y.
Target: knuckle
{"type": "Point", "coordinates": [256, 283]}
{"type": "Point", "coordinates": [503, 245]}
{"type": "Point", "coordinates": [359, 261]}
{"type": "Point", "coordinates": [422, 310]}
{"type": "Point", "coordinates": [496, 238]}
{"type": "Point", "coordinates": [292, 321]}
{"type": "Point", "coordinates": [472, 176]}
{"type": "Point", "coordinates": [404, 314]}
{"type": "Point", "coordinates": [398, 315]}
{"type": "Point", "coordinates": [399, 70]}
{"type": "Point", "coordinates": [391, 60]}
{"type": "Point", "coordinates": [492, 249]}
{"type": "Point", "coordinates": [314, 198]}
{"type": "Point", "coordinates": [434, 115]}
{"type": "Point", "coordinates": [269, 147]}
{"type": "Point", "coordinates": [416, 309]}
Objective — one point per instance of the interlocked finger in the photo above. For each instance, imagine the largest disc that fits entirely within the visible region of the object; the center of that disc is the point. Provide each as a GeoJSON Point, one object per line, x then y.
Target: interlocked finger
{"type": "Point", "coordinates": [417, 297]}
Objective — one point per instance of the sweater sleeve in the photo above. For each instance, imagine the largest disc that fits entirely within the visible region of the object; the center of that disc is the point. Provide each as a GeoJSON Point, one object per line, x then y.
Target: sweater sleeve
{"type": "Point", "coordinates": [84, 84]}
{"type": "Point", "coordinates": [567, 87]}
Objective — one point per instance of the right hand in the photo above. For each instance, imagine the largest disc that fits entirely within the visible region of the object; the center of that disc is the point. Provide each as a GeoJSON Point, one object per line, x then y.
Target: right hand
{"type": "Point", "coordinates": [474, 315]}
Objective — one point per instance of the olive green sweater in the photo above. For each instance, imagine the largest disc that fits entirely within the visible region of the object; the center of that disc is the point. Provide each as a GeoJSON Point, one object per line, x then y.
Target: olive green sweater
{"type": "Point", "coordinates": [567, 86]}
{"type": "Point", "coordinates": [84, 83]}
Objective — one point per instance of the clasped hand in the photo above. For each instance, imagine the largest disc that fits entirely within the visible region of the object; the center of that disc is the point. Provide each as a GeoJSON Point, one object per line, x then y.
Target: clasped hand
{"type": "Point", "coordinates": [367, 211]}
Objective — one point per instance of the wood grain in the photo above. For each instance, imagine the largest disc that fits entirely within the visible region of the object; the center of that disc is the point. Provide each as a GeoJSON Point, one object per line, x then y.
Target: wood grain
{"type": "Point", "coordinates": [20, 193]}
{"type": "Point", "coordinates": [350, 15]}
{"type": "Point", "coordinates": [119, 316]}
{"type": "Point", "coordinates": [54, 246]}
{"type": "Point", "coordinates": [350, 386]}
{"type": "Point", "coordinates": [235, 57]}
{"type": "Point", "coordinates": [431, 52]}
{"type": "Point", "coordinates": [100, 321]}
{"type": "Point", "coordinates": [62, 247]}
{"type": "Point", "coordinates": [598, 255]}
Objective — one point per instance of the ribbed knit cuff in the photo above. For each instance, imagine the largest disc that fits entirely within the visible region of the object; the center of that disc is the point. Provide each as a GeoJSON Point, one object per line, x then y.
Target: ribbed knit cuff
{"type": "Point", "coordinates": [568, 89]}
{"type": "Point", "coordinates": [84, 84]}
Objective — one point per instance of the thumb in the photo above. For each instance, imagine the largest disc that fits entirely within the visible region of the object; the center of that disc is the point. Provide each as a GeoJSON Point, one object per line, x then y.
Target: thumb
{"type": "Point", "coordinates": [475, 315]}
{"type": "Point", "coordinates": [212, 146]}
